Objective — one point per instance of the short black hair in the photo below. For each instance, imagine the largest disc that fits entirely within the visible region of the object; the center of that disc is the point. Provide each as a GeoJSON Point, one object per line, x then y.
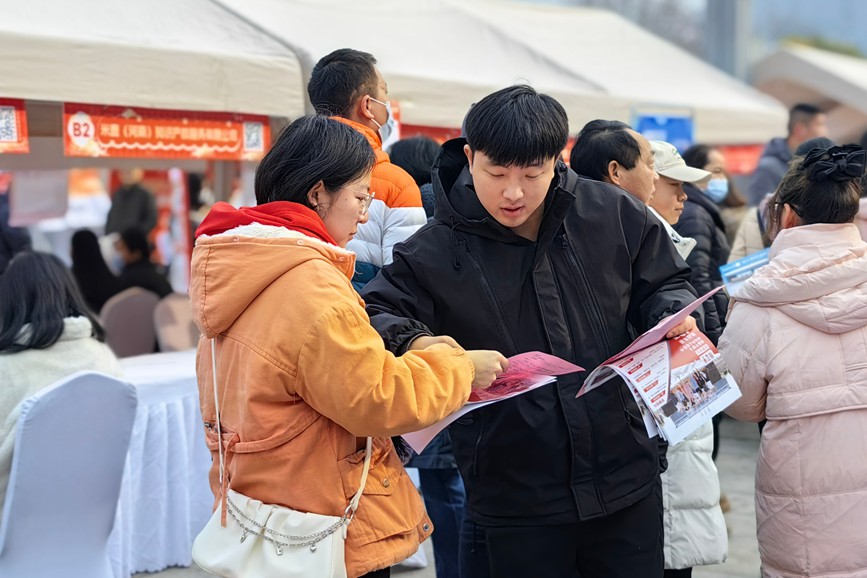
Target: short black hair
{"type": "Point", "coordinates": [38, 291]}
{"type": "Point", "coordinates": [339, 79]}
{"type": "Point", "coordinates": [599, 143]}
{"type": "Point", "coordinates": [517, 126]}
{"type": "Point", "coordinates": [136, 240]}
{"type": "Point", "coordinates": [416, 156]}
{"type": "Point", "coordinates": [312, 149]}
{"type": "Point", "coordinates": [802, 113]}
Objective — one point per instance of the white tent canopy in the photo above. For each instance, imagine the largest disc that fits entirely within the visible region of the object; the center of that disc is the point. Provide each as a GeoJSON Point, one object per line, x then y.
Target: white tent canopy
{"type": "Point", "coordinates": [436, 60]}
{"type": "Point", "coordinates": [836, 82]}
{"type": "Point", "coordinates": [439, 56]}
{"type": "Point", "coordinates": [187, 55]}
{"type": "Point", "coordinates": [635, 66]}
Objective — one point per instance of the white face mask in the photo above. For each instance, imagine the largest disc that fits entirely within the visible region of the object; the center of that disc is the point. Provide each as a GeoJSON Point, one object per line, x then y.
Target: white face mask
{"type": "Point", "coordinates": [387, 129]}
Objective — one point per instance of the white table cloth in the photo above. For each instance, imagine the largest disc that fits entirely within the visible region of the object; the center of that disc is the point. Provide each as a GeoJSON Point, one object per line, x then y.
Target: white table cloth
{"type": "Point", "coordinates": [165, 498]}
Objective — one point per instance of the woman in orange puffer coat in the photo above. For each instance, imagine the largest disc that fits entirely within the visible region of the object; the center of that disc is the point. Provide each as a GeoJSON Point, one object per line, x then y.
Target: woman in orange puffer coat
{"type": "Point", "coordinates": [302, 375]}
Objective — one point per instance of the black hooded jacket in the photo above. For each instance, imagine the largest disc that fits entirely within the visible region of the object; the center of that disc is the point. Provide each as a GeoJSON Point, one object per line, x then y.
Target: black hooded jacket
{"type": "Point", "coordinates": [599, 265]}
{"type": "Point", "coordinates": [702, 221]}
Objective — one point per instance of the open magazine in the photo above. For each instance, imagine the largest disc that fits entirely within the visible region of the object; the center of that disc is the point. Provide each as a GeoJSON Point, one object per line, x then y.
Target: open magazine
{"type": "Point", "coordinates": [679, 384]}
{"type": "Point", "coordinates": [527, 371]}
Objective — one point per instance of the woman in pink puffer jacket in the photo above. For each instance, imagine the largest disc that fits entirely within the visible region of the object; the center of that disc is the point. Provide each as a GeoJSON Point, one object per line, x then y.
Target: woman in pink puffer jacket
{"type": "Point", "coordinates": [796, 342]}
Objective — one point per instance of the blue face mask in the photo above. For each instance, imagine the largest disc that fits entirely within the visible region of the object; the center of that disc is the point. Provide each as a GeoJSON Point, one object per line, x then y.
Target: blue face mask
{"type": "Point", "coordinates": [717, 190]}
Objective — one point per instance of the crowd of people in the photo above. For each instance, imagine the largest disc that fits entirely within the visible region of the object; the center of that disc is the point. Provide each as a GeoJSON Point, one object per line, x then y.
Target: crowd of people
{"type": "Point", "coordinates": [366, 294]}
{"type": "Point", "coordinates": [519, 253]}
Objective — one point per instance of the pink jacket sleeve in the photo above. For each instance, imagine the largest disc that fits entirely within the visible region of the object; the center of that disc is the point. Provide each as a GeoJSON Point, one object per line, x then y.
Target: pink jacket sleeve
{"type": "Point", "coordinates": [744, 347]}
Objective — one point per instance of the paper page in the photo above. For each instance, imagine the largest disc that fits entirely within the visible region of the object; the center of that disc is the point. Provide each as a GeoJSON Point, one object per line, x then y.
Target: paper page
{"type": "Point", "coordinates": [538, 363]}
{"type": "Point", "coordinates": [419, 440]}
{"type": "Point", "coordinates": [658, 333]}
{"type": "Point", "coordinates": [527, 371]}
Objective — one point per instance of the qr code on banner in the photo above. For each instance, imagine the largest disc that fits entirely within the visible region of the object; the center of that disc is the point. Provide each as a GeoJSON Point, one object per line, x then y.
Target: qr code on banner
{"type": "Point", "coordinates": [253, 138]}
{"type": "Point", "coordinates": [8, 124]}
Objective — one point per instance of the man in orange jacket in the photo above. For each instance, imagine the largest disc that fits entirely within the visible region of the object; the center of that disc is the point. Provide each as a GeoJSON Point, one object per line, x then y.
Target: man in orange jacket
{"type": "Point", "coordinates": [347, 86]}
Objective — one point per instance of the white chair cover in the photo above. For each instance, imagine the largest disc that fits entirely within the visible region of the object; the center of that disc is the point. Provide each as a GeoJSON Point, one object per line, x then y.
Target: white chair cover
{"type": "Point", "coordinates": [70, 446]}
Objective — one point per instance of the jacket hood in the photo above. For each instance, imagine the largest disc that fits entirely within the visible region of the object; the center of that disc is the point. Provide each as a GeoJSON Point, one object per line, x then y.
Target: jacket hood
{"type": "Point", "coordinates": [778, 148]}
{"type": "Point", "coordinates": [457, 205]}
{"type": "Point", "coordinates": [231, 269]}
{"type": "Point", "coordinates": [817, 275]}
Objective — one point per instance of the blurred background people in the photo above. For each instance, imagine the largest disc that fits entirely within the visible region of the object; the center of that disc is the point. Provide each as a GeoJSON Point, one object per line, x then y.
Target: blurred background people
{"type": "Point", "coordinates": [94, 279]}
{"type": "Point", "coordinates": [796, 344]}
{"type": "Point", "coordinates": [13, 240]}
{"type": "Point", "coordinates": [132, 205]}
{"type": "Point", "coordinates": [138, 270]}
{"type": "Point", "coordinates": [47, 332]}
{"type": "Point", "coordinates": [806, 121]}
{"type": "Point", "coordinates": [720, 188]}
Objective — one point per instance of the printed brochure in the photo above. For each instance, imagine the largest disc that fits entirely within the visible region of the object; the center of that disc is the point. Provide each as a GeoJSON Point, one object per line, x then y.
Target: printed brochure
{"type": "Point", "coordinates": [527, 371]}
{"type": "Point", "coordinates": [679, 384]}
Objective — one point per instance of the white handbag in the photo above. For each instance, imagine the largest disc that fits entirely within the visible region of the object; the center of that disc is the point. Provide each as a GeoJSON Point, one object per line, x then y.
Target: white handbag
{"type": "Point", "coordinates": [261, 540]}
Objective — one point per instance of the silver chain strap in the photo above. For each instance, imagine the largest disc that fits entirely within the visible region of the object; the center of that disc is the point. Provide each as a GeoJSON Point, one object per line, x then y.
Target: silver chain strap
{"type": "Point", "coordinates": [266, 533]}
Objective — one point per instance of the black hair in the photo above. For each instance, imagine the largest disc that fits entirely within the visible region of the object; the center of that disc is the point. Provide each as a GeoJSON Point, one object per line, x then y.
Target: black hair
{"type": "Point", "coordinates": [416, 156]}
{"type": "Point", "coordinates": [802, 113]}
{"type": "Point", "coordinates": [599, 143]}
{"type": "Point", "coordinates": [37, 290]}
{"type": "Point", "coordinates": [517, 126]}
{"type": "Point", "coordinates": [820, 142]}
{"type": "Point", "coordinates": [698, 156]}
{"type": "Point", "coordinates": [339, 79]}
{"type": "Point", "coordinates": [312, 149]}
{"type": "Point", "coordinates": [832, 198]}
{"type": "Point", "coordinates": [136, 240]}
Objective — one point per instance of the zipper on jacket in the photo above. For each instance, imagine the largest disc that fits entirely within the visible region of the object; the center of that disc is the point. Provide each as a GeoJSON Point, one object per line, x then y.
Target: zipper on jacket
{"type": "Point", "coordinates": [475, 467]}
{"type": "Point", "coordinates": [598, 327]}
{"type": "Point", "coordinates": [498, 314]}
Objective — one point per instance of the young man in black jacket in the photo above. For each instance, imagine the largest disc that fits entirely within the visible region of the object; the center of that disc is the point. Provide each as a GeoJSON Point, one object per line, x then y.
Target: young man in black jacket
{"type": "Point", "coordinates": [523, 255]}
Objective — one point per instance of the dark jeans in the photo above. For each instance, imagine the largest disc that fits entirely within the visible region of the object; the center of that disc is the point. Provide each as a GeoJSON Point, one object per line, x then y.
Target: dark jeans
{"type": "Point", "coordinates": [384, 573]}
{"type": "Point", "coordinates": [685, 573]}
{"type": "Point", "coordinates": [626, 544]}
{"type": "Point", "coordinates": [445, 500]}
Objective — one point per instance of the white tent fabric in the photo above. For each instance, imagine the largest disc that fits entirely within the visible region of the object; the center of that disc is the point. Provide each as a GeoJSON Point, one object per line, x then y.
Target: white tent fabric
{"type": "Point", "coordinates": [187, 55]}
{"type": "Point", "coordinates": [633, 65]}
{"type": "Point", "coordinates": [836, 82]}
{"type": "Point", "coordinates": [436, 60]}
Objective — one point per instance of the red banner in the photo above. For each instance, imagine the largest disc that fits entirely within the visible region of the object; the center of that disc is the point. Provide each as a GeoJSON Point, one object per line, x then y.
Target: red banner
{"type": "Point", "coordinates": [117, 131]}
{"type": "Point", "coordinates": [13, 127]}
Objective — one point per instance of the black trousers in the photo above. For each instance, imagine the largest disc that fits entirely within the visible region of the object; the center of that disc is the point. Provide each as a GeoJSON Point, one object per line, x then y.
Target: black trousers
{"type": "Point", "coordinates": [626, 544]}
{"type": "Point", "coordinates": [685, 573]}
{"type": "Point", "coordinates": [384, 573]}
